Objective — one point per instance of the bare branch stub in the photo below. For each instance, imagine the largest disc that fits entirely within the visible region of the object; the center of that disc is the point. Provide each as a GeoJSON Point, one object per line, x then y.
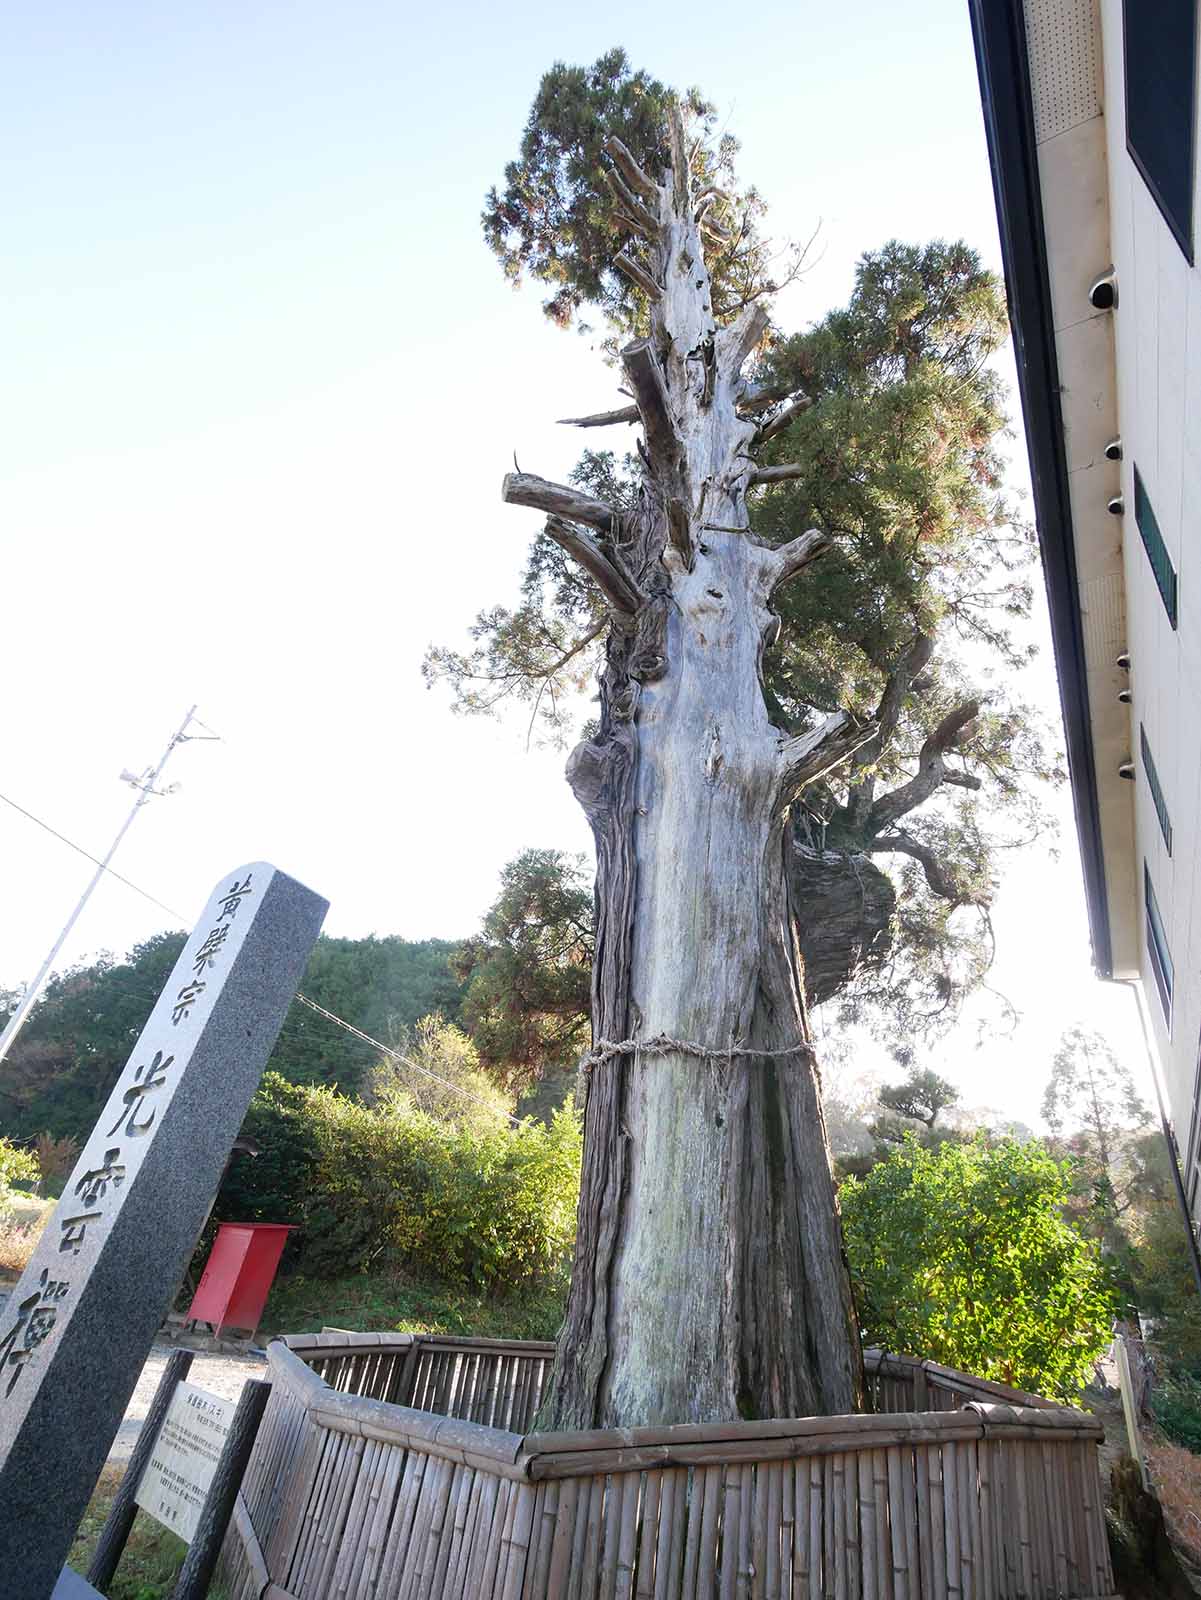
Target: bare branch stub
{"type": "Point", "coordinates": [646, 379]}
{"type": "Point", "coordinates": [805, 758]}
{"type": "Point", "coordinates": [524, 489]}
{"type": "Point", "coordinates": [633, 174]}
{"type": "Point", "coordinates": [615, 584]}
{"type": "Point", "coordinates": [780, 474]}
{"type": "Point", "coordinates": [782, 419]}
{"type": "Point", "coordinates": [603, 419]}
{"type": "Point", "coordinates": [787, 560]}
{"type": "Point", "coordinates": [639, 275]}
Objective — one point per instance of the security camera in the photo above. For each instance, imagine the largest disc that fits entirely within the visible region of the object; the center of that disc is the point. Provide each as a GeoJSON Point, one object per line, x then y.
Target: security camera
{"type": "Point", "coordinates": [1103, 294]}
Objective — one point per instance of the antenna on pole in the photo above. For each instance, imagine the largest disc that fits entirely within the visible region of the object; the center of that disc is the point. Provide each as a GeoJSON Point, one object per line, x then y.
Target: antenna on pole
{"type": "Point", "coordinates": [147, 785]}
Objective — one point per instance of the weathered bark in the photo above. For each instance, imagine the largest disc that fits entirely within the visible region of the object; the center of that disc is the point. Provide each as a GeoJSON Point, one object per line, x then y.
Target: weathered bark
{"type": "Point", "coordinates": [709, 1281]}
{"type": "Point", "coordinates": [844, 907]}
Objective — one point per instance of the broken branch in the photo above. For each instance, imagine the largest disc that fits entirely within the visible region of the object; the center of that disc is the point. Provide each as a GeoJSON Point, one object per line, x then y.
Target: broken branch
{"type": "Point", "coordinates": [786, 560]}
{"type": "Point", "coordinates": [524, 489]}
{"type": "Point", "coordinates": [629, 203]}
{"type": "Point", "coordinates": [613, 583]}
{"type": "Point", "coordinates": [775, 474]}
{"type": "Point", "coordinates": [741, 337]}
{"type": "Point", "coordinates": [639, 275]}
{"type": "Point", "coordinates": [782, 418]}
{"type": "Point", "coordinates": [806, 757]}
{"type": "Point", "coordinates": [631, 171]}
{"type": "Point", "coordinates": [646, 379]}
{"type": "Point", "coordinates": [603, 419]}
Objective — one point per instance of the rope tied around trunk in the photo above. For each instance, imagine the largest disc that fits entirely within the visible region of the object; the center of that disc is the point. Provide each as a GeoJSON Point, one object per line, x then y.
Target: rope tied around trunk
{"type": "Point", "coordinates": [662, 1044]}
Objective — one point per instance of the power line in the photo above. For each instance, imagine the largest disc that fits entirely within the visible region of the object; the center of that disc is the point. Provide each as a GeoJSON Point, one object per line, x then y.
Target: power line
{"type": "Point", "coordinates": [79, 849]}
{"type": "Point", "coordinates": [330, 1016]}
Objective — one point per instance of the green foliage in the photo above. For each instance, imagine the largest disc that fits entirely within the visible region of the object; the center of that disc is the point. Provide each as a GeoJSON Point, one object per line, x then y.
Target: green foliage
{"type": "Point", "coordinates": [1161, 1266]}
{"type": "Point", "coordinates": [371, 1303]}
{"type": "Point", "coordinates": [556, 222]}
{"type": "Point", "coordinates": [1176, 1403]}
{"type": "Point", "coordinates": [962, 1255]}
{"type": "Point", "coordinates": [72, 1048]}
{"type": "Point", "coordinates": [436, 1070]}
{"type": "Point", "coordinates": [17, 1166]}
{"type": "Point", "coordinates": [529, 972]}
{"type": "Point", "coordinates": [381, 985]}
{"type": "Point", "coordinates": [389, 1188]}
{"type": "Point", "coordinates": [922, 1097]}
{"type": "Point", "coordinates": [75, 1044]}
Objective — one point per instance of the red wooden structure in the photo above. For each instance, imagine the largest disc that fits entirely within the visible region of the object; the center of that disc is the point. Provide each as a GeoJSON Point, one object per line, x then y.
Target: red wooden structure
{"type": "Point", "coordinates": [238, 1274]}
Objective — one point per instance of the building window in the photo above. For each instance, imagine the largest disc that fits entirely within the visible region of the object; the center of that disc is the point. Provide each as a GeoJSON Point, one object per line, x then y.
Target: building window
{"type": "Point", "coordinates": [1157, 551]}
{"type": "Point", "coordinates": [1153, 783]}
{"type": "Point", "coordinates": [1160, 49]}
{"type": "Point", "coordinates": [1157, 948]}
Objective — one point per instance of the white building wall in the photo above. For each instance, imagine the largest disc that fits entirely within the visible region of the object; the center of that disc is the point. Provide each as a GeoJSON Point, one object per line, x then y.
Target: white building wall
{"type": "Point", "coordinates": [1157, 327]}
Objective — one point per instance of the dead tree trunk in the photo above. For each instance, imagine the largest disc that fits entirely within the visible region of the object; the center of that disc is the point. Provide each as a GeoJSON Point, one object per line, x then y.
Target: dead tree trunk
{"type": "Point", "coordinates": [709, 1281]}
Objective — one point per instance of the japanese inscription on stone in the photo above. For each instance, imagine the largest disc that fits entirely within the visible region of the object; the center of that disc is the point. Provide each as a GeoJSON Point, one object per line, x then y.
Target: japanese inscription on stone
{"type": "Point", "coordinates": [79, 1324]}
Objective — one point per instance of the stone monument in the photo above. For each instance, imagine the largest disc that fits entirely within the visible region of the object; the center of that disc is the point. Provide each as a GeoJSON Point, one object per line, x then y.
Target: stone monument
{"type": "Point", "coordinates": [77, 1329]}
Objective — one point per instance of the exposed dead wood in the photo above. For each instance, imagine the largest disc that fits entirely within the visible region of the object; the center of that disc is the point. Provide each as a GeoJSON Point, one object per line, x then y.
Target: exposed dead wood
{"type": "Point", "coordinates": [616, 585]}
{"type": "Point", "coordinates": [638, 274]}
{"type": "Point", "coordinates": [646, 378]}
{"type": "Point", "coordinates": [603, 419]}
{"type": "Point", "coordinates": [783, 419]}
{"type": "Point", "coordinates": [633, 174]}
{"type": "Point", "coordinates": [524, 489]}
{"type": "Point", "coordinates": [782, 474]}
{"type": "Point", "coordinates": [806, 757]}
{"type": "Point", "coordinates": [787, 560]}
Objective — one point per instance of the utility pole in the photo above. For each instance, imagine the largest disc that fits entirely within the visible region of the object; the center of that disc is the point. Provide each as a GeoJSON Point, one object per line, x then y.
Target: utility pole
{"type": "Point", "coordinates": [146, 785]}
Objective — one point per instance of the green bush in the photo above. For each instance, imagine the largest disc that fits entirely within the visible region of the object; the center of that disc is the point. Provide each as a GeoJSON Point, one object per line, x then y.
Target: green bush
{"type": "Point", "coordinates": [392, 1188]}
{"type": "Point", "coordinates": [961, 1254]}
{"type": "Point", "coordinates": [17, 1166]}
{"type": "Point", "coordinates": [1176, 1403]}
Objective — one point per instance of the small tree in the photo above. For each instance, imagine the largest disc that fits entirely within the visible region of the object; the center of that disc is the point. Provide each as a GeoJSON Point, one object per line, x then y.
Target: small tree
{"type": "Point", "coordinates": [529, 971]}
{"type": "Point", "coordinates": [961, 1254]}
{"type": "Point", "coordinates": [922, 1097]}
{"type": "Point", "coordinates": [436, 1070]}
{"type": "Point", "coordinates": [1093, 1110]}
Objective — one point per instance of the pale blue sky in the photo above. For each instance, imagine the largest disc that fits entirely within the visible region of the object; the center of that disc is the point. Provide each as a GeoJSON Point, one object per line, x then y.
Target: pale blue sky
{"type": "Point", "coordinates": [263, 382]}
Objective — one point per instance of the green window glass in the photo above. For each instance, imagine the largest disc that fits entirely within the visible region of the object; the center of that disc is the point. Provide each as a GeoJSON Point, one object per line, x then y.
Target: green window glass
{"type": "Point", "coordinates": [1157, 551]}
{"type": "Point", "coordinates": [1153, 783]}
{"type": "Point", "coordinates": [1157, 947]}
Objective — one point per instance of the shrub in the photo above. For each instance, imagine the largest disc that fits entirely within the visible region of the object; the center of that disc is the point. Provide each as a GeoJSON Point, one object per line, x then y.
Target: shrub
{"type": "Point", "coordinates": [962, 1254]}
{"type": "Point", "coordinates": [388, 1187]}
{"type": "Point", "coordinates": [16, 1166]}
{"type": "Point", "coordinates": [1176, 1405]}
{"type": "Point", "coordinates": [1177, 1477]}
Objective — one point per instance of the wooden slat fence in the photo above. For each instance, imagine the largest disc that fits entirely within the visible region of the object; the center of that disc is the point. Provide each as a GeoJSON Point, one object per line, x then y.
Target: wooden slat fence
{"type": "Point", "coordinates": [353, 1496]}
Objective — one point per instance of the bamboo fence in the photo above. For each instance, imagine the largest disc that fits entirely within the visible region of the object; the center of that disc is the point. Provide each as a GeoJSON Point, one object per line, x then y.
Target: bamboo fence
{"type": "Point", "coordinates": [353, 1493]}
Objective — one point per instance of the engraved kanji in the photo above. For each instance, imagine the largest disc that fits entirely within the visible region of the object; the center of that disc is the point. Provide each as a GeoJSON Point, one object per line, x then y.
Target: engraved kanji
{"type": "Point", "coordinates": [93, 1186]}
{"type": "Point", "coordinates": [75, 1229]}
{"type": "Point", "coordinates": [232, 899]}
{"type": "Point", "coordinates": [185, 1000]}
{"type": "Point", "coordinates": [206, 955]}
{"type": "Point", "coordinates": [35, 1318]}
{"type": "Point", "coordinates": [136, 1094]}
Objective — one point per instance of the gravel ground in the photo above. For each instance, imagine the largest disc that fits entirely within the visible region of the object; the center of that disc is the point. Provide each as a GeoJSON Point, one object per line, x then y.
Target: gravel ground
{"type": "Point", "coordinates": [222, 1375]}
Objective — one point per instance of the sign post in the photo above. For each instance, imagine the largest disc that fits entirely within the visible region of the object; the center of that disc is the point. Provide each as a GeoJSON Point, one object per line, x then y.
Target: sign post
{"type": "Point", "coordinates": [76, 1332]}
